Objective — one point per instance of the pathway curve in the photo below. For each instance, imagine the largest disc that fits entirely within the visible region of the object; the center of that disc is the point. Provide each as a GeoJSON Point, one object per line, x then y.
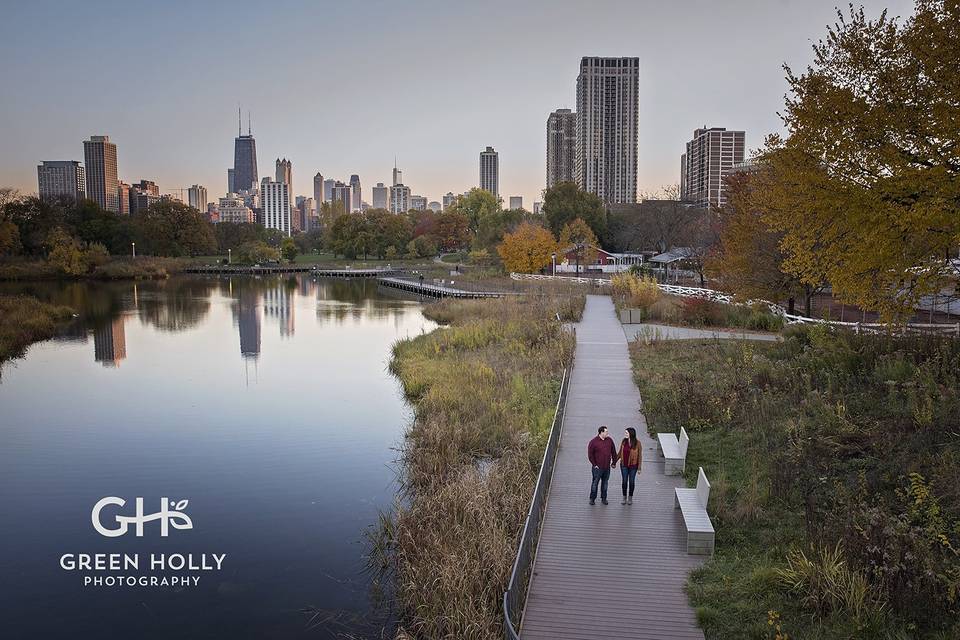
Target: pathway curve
{"type": "Point", "coordinates": [599, 566]}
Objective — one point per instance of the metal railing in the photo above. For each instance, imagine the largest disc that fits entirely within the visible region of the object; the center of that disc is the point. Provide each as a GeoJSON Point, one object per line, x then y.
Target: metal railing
{"type": "Point", "coordinates": [515, 595]}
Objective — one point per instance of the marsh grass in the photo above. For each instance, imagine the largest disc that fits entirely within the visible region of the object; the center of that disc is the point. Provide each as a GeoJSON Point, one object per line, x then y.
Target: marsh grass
{"type": "Point", "coordinates": [117, 268]}
{"type": "Point", "coordinates": [484, 389]}
{"type": "Point", "coordinates": [25, 320]}
{"type": "Point", "coordinates": [834, 463]}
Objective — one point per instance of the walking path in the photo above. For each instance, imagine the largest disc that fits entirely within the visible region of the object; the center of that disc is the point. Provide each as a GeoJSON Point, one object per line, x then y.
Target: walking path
{"type": "Point", "coordinates": [600, 567]}
{"type": "Point", "coordinates": [650, 331]}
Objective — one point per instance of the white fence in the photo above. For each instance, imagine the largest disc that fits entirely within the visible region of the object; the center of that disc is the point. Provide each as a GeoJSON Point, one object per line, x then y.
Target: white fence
{"type": "Point", "coordinates": [952, 329]}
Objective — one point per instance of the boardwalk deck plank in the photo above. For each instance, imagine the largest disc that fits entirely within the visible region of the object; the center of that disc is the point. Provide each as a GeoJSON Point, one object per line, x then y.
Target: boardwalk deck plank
{"type": "Point", "coordinates": [597, 565]}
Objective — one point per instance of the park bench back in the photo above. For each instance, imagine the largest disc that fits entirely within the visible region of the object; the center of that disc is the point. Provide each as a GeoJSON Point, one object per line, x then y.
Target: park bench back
{"type": "Point", "coordinates": [684, 441]}
{"type": "Point", "coordinates": [703, 488]}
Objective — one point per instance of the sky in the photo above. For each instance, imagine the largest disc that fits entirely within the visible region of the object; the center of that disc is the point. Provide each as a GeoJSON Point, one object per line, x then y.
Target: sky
{"type": "Point", "coordinates": [345, 87]}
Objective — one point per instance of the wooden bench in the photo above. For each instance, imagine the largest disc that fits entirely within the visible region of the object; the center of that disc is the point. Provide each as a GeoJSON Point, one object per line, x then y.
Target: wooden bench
{"type": "Point", "coordinates": [674, 451]}
{"type": "Point", "coordinates": [693, 505]}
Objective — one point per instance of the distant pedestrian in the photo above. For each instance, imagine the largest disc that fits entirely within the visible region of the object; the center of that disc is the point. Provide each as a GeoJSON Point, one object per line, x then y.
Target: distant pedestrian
{"type": "Point", "coordinates": [631, 458]}
{"type": "Point", "coordinates": [421, 279]}
{"type": "Point", "coordinates": [602, 454]}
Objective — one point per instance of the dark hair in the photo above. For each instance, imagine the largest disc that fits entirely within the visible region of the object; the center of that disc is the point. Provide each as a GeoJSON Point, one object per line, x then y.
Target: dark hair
{"type": "Point", "coordinates": [601, 429]}
{"type": "Point", "coordinates": [633, 437]}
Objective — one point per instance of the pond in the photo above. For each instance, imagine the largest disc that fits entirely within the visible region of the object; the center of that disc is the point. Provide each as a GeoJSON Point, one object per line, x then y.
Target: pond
{"type": "Point", "coordinates": [264, 403]}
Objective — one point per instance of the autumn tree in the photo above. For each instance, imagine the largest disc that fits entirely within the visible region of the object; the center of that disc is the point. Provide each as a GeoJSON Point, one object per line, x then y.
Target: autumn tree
{"type": "Point", "coordinates": [476, 205]}
{"type": "Point", "coordinates": [528, 249]}
{"type": "Point", "coordinates": [452, 230]}
{"type": "Point", "coordinates": [565, 202]}
{"type": "Point", "coordinates": [577, 237]}
{"type": "Point", "coordinates": [288, 249]}
{"type": "Point", "coordinates": [865, 187]}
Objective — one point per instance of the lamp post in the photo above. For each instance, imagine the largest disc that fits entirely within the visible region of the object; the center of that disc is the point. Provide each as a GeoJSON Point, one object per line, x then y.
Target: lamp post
{"type": "Point", "coordinates": [553, 261]}
{"type": "Point", "coordinates": [229, 256]}
{"type": "Point", "coordinates": [133, 249]}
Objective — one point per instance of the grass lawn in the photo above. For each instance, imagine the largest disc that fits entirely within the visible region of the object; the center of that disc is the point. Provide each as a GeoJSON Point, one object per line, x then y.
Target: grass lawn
{"type": "Point", "coordinates": [835, 468]}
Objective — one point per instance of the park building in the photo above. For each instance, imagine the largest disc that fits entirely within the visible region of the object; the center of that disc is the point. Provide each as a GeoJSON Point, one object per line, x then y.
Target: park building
{"type": "Point", "coordinates": [61, 179]}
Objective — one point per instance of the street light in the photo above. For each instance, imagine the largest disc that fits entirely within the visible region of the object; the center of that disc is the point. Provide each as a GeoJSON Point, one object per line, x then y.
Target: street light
{"type": "Point", "coordinates": [553, 260]}
{"type": "Point", "coordinates": [230, 256]}
{"type": "Point", "coordinates": [133, 249]}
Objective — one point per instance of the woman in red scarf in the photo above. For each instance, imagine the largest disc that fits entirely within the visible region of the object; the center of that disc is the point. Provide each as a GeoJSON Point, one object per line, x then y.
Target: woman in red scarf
{"type": "Point", "coordinates": [630, 460]}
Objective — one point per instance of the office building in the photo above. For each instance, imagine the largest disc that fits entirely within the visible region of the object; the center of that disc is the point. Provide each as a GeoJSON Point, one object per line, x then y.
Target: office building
{"type": "Point", "coordinates": [231, 188]}
{"type": "Point", "coordinates": [328, 190]}
{"type": "Point", "coordinates": [448, 200]}
{"type": "Point", "coordinates": [318, 196]}
{"type": "Point", "coordinates": [275, 198]}
{"type": "Point", "coordinates": [606, 158]}
{"type": "Point", "coordinates": [490, 171]}
{"type": "Point", "coordinates": [123, 198]}
{"type": "Point", "coordinates": [355, 193]}
{"type": "Point", "coordinates": [65, 179]}
{"type": "Point", "coordinates": [100, 158]}
{"type": "Point", "coordinates": [399, 198]}
{"type": "Point", "coordinates": [245, 174]}
{"type": "Point", "coordinates": [561, 146]}
{"type": "Point", "coordinates": [710, 155]}
{"type": "Point", "coordinates": [418, 203]}
{"type": "Point", "coordinates": [197, 197]}
{"type": "Point", "coordinates": [343, 194]}
{"type": "Point", "coordinates": [285, 172]}
{"type": "Point", "coordinates": [516, 202]}
{"type": "Point", "coordinates": [233, 209]}
{"type": "Point", "coordinates": [397, 174]}
{"type": "Point", "coordinates": [381, 196]}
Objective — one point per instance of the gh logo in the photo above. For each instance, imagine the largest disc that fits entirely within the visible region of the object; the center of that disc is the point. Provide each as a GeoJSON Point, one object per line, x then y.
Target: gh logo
{"type": "Point", "coordinates": [166, 516]}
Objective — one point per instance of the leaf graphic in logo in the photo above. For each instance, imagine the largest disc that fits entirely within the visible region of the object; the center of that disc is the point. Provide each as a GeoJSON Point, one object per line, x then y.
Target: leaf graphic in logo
{"type": "Point", "coordinates": [180, 506]}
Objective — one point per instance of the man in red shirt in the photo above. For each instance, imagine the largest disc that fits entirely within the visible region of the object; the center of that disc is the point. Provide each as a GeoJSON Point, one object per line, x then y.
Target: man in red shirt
{"type": "Point", "coordinates": [602, 454]}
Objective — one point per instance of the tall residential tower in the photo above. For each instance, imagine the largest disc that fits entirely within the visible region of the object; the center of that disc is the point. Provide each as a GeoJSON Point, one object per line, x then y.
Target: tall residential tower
{"type": "Point", "coordinates": [606, 161]}
{"type": "Point", "coordinates": [61, 179]}
{"type": "Point", "coordinates": [490, 171]}
{"type": "Point", "coordinates": [709, 157]}
{"type": "Point", "coordinates": [561, 146]}
{"type": "Point", "coordinates": [100, 156]}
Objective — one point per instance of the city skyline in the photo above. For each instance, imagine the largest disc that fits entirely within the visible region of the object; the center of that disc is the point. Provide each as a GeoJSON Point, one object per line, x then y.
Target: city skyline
{"type": "Point", "coordinates": [180, 142]}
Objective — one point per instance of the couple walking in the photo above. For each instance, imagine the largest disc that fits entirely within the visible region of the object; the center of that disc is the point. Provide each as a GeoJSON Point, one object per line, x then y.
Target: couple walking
{"type": "Point", "coordinates": [603, 456]}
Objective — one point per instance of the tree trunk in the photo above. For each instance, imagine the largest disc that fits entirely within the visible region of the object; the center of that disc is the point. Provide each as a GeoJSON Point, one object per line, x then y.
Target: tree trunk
{"type": "Point", "coordinates": [791, 306]}
{"type": "Point", "coordinates": [808, 292]}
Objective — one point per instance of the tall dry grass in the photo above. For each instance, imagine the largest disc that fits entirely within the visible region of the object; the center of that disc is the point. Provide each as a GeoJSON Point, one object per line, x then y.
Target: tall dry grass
{"type": "Point", "coordinates": [484, 390]}
{"type": "Point", "coordinates": [25, 320]}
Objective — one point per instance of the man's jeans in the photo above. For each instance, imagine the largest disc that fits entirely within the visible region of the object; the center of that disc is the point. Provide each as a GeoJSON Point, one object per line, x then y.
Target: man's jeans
{"type": "Point", "coordinates": [601, 477]}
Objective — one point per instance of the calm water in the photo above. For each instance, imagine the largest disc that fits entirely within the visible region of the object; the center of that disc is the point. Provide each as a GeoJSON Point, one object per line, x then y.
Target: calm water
{"type": "Point", "coordinates": [264, 402]}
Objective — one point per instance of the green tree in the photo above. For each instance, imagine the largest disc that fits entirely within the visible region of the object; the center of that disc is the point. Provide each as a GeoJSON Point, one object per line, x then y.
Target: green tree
{"type": "Point", "coordinates": [452, 230]}
{"type": "Point", "coordinates": [476, 205]}
{"type": "Point", "coordinates": [230, 235]}
{"type": "Point", "coordinates": [565, 202]}
{"type": "Point", "coordinates": [421, 247]}
{"type": "Point", "coordinates": [578, 237]}
{"type": "Point", "coordinates": [496, 225]}
{"type": "Point", "coordinates": [256, 252]}
{"type": "Point", "coordinates": [865, 186]}
{"type": "Point", "coordinates": [170, 228]}
{"type": "Point", "coordinates": [288, 249]}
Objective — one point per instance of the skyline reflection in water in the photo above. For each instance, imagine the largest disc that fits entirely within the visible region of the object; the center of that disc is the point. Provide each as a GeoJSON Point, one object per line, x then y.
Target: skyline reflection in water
{"type": "Point", "coordinates": [265, 401]}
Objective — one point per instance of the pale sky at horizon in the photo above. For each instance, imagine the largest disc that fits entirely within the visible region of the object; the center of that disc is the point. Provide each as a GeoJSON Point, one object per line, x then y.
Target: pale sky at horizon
{"type": "Point", "coordinates": [342, 88]}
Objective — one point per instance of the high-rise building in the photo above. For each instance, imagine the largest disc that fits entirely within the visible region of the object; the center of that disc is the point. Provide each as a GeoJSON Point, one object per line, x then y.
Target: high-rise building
{"type": "Point", "coordinates": [355, 193]}
{"type": "Point", "coordinates": [490, 171]}
{"type": "Point", "coordinates": [606, 161]}
{"type": "Point", "coordinates": [285, 172]}
{"type": "Point", "coordinates": [61, 179]}
{"type": "Point", "coordinates": [397, 174]}
{"type": "Point", "coordinates": [248, 321]}
{"type": "Point", "coordinates": [516, 202]}
{"type": "Point", "coordinates": [245, 175]}
{"type": "Point", "coordinates": [399, 198]}
{"type": "Point", "coordinates": [381, 196]}
{"type": "Point", "coordinates": [123, 197]}
{"type": "Point", "coordinates": [561, 146]}
{"type": "Point", "coordinates": [537, 206]}
{"type": "Point", "coordinates": [148, 186]}
{"type": "Point", "coordinates": [231, 188]}
{"type": "Point", "coordinates": [197, 197]}
{"type": "Point", "coordinates": [418, 203]}
{"type": "Point", "coordinates": [710, 155]}
{"type": "Point", "coordinates": [435, 206]}
{"type": "Point", "coordinates": [448, 200]}
{"type": "Point", "coordinates": [328, 190]}
{"type": "Point", "coordinates": [100, 157]}
{"type": "Point", "coordinates": [110, 343]}
{"type": "Point", "coordinates": [343, 194]}
{"type": "Point", "coordinates": [233, 209]}
{"type": "Point", "coordinates": [318, 196]}
{"type": "Point", "coordinates": [275, 197]}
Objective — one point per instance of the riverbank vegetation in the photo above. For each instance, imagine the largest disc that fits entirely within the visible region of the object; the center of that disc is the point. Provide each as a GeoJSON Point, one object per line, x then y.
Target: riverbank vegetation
{"type": "Point", "coordinates": [25, 320]}
{"type": "Point", "coordinates": [834, 460]}
{"type": "Point", "coordinates": [484, 390]}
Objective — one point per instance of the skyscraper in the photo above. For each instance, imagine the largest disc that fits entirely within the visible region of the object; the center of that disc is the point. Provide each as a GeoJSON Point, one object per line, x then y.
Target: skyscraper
{"type": "Point", "coordinates": [61, 179]}
{"type": "Point", "coordinates": [285, 172]}
{"type": "Point", "coordinates": [197, 197]}
{"type": "Point", "coordinates": [110, 343]}
{"type": "Point", "coordinates": [490, 171]}
{"type": "Point", "coordinates": [399, 198]}
{"type": "Point", "coordinates": [418, 203]}
{"type": "Point", "coordinates": [318, 196]}
{"type": "Point", "coordinates": [397, 174]}
{"type": "Point", "coordinates": [100, 156]}
{"type": "Point", "coordinates": [710, 155]}
{"type": "Point", "coordinates": [561, 146]}
{"type": "Point", "coordinates": [231, 188]}
{"type": "Point", "coordinates": [244, 160]}
{"type": "Point", "coordinates": [448, 199]}
{"type": "Point", "coordinates": [343, 194]}
{"type": "Point", "coordinates": [381, 196]}
{"type": "Point", "coordinates": [275, 197]}
{"type": "Point", "coordinates": [123, 198]}
{"type": "Point", "coordinates": [355, 193]}
{"type": "Point", "coordinates": [606, 161]}
{"type": "Point", "coordinates": [328, 190]}
{"type": "Point", "coordinates": [516, 202]}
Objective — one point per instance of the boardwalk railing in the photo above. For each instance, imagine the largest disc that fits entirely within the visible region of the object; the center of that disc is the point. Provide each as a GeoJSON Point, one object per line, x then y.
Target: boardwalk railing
{"type": "Point", "coordinates": [515, 595]}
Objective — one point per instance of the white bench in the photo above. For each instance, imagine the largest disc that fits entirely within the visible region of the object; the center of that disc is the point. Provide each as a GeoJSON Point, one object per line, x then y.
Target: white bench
{"type": "Point", "coordinates": [693, 505]}
{"type": "Point", "coordinates": [674, 451]}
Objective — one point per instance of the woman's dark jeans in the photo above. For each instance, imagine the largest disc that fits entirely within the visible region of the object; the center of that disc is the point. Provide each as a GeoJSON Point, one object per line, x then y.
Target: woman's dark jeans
{"type": "Point", "coordinates": [629, 475]}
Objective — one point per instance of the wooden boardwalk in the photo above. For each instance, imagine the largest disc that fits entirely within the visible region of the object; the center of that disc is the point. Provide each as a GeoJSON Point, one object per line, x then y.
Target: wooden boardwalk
{"type": "Point", "coordinates": [434, 290]}
{"type": "Point", "coordinates": [610, 571]}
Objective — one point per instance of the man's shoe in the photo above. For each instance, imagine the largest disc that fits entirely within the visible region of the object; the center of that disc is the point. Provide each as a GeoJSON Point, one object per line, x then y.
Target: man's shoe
{"type": "Point", "coordinates": [630, 500]}
{"type": "Point", "coordinates": [604, 501]}
{"type": "Point", "coordinates": [623, 500]}
{"type": "Point", "coordinates": [593, 502]}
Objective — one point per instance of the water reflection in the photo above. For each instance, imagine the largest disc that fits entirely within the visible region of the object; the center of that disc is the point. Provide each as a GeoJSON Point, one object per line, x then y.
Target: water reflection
{"type": "Point", "coordinates": [266, 401]}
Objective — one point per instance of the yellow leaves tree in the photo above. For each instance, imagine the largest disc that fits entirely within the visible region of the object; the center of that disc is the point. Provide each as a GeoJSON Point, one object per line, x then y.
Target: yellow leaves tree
{"type": "Point", "coordinates": [578, 237]}
{"type": "Point", "coordinates": [528, 249]}
{"type": "Point", "coordinates": [866, 187]}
